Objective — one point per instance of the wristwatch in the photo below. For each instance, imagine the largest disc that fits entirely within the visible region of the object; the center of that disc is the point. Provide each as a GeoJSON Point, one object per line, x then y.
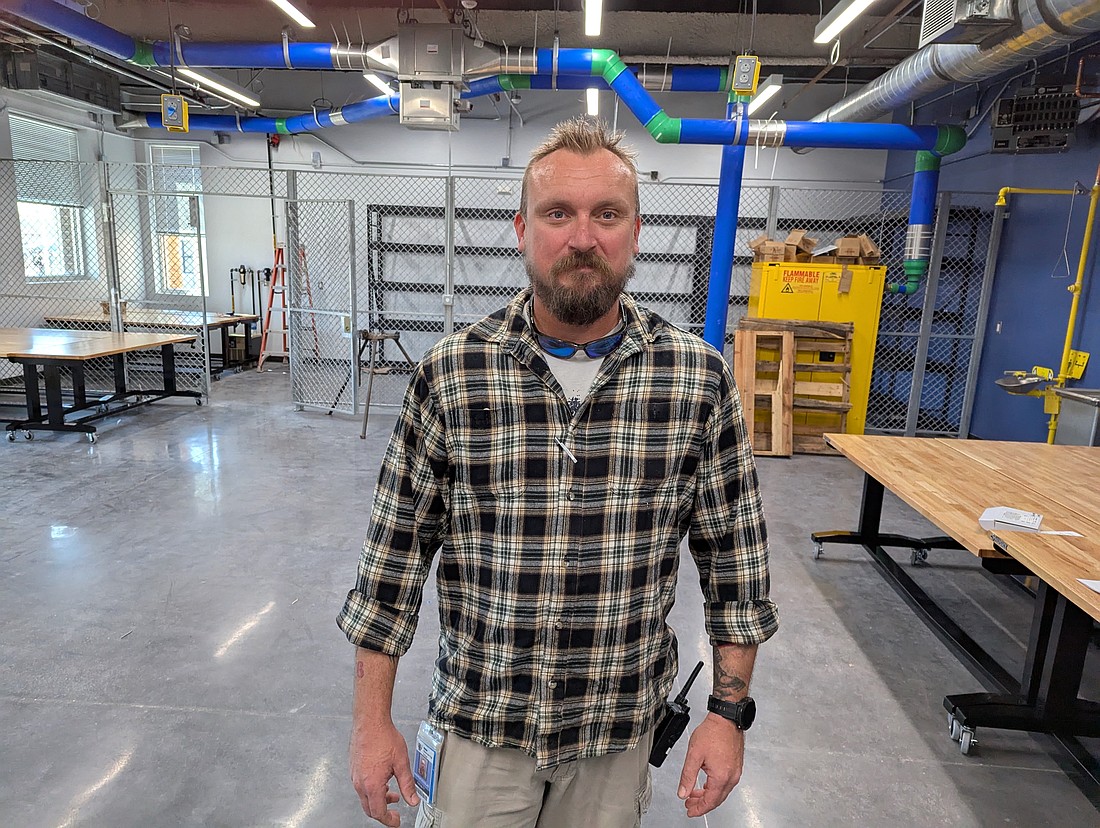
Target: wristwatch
{"type": "Point", "coordinates": [741, 713]}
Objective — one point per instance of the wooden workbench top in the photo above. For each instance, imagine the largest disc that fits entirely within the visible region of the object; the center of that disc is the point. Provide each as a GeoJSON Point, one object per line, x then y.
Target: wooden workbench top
{"type": "Point", "coordinates": [951, 482]}
{"type": "Point", "coordinates": [152, 317]}
{"type": "Point", "coordinates": [47, 343]}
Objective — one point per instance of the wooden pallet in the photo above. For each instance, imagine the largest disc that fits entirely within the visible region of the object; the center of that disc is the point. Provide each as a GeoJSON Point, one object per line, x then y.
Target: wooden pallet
{"type": "Point", "coordinates": [768, 386]}
{"type": "Point", "coordinates": [818, 364]}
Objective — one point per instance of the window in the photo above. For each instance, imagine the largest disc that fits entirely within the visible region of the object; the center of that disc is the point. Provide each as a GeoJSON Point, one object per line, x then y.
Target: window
{"type": "Point", "coordinates": [47, 182]}
{"type": "Point", "coordinates": [177, 220]}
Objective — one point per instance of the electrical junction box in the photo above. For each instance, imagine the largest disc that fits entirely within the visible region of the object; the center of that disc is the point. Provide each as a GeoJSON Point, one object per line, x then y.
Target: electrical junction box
{"type": "Point", "coordinates": [826, 293]}
{"type": "Point", "coordinates": [746, 74]}
{"type": "Point", "coordinates": [173, 113]}
{"type": "Point", "coordinates": [1037, 119]}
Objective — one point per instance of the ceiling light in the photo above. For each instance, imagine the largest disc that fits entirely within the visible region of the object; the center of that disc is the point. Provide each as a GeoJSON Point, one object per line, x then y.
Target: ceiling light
{"type": "Point", "coordinates": [593, 96]}
{"type": "Point", "coordinates": [383, 87]}
{"type": "Point", "coordinates": [838, 19]}
{"type": "Point", "coordinates": [222, 88]}
{"type": "Point", "coordinates": [768, 89]}
{"type": "Point", "coordinates": [294, 14]}
{"type": "Point", "coordinates": [593, 17]}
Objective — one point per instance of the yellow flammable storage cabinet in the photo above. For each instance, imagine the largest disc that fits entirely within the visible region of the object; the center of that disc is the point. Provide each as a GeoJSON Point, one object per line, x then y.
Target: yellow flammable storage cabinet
{"type": "Point", "coordinates": [826, 293]}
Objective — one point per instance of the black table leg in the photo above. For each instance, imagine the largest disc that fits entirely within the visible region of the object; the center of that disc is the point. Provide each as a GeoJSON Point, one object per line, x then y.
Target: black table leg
{"type": "Point", "coordinates": [34, 397]}
{"type": "Point", "coordinates": [868, 534]}
{"type": "Point", "coordinates": [55, 408]}
{"type": "Point", "coordinates": [168, 367]}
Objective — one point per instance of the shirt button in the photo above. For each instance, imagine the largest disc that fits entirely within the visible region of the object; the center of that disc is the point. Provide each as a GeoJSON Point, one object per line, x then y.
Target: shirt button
{"type": "Point", "coordinates": [552, 684]}
{"type": "Point", "coordinates": [558, 625]}
{"type": "Point", "coordinates": [570, 495]}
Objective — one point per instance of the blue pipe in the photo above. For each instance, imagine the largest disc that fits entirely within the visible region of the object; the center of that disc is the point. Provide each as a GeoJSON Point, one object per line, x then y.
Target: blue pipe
{"type": "Point", "coordinates": [305, 122]}
{"type": "Point", "coordinates": [860, 136]}
{"type": "Point", "coordinates": [72, 23]}
{"type": "Point", "coordinates": [725, 235]}
{"type": "Point", "coordinates": [568, 68]}
{"type": "Point", "coordinates": [247, 55]}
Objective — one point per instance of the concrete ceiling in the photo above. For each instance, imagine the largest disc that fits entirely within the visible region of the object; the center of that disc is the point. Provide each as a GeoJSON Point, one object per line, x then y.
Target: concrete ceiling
{"type": "Point", "coordinates": [642, 31]}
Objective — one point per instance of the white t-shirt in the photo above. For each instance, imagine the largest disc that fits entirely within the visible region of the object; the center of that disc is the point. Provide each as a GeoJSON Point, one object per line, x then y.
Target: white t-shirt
{"type": "Point", "coordinates": [576, 374]}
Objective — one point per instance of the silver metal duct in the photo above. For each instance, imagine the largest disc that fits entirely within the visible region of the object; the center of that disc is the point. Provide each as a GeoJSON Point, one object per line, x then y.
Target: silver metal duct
{"type": "Point", "coordinates": [1045, 25]}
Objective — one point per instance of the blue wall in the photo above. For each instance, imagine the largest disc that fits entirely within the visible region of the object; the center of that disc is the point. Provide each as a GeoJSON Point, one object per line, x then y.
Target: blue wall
{"type": "Point", "coordinates": [1030, 302]}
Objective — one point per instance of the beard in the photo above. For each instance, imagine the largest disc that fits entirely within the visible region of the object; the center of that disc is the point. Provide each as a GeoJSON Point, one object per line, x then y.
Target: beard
{"type": "Point", "coordinates": [580, 305]}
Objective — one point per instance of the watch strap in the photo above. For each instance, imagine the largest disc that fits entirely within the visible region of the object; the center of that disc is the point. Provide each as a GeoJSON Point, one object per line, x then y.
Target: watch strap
{"type": "Point", "coordinates": [734, 711]}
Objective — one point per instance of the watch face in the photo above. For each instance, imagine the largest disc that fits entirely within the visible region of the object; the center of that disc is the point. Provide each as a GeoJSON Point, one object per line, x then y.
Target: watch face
{"type": "Point", "coordinates": [748, 713]}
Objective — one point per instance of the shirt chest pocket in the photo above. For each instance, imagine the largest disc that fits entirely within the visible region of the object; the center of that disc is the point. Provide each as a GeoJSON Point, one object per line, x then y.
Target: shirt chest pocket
{"type": "Point", "coordinates": [491, 453]}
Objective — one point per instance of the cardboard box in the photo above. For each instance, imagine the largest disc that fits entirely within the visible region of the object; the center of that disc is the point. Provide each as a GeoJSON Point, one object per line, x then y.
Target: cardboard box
{"type": "Point", "coordinates": [867, 248]}
{"type": "Point", "coordinates": [799, 240]}
{"type": "Point", "coordinates": [847, 247]}
{"type": "Point", "coordinates": [765, 249]}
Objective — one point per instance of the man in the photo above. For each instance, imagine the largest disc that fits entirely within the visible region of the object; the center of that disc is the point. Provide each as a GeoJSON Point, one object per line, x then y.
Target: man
{"type": "Point", "coordinates": [556, 453]}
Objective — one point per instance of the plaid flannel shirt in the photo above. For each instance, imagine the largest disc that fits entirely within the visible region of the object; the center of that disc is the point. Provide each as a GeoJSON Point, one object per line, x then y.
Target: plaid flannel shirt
{"type": "Point", "coordinates": [559, 534]}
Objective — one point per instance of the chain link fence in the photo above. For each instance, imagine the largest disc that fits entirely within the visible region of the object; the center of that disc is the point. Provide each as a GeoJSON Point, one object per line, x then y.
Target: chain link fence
{"type": "Point", "coordinates": [411, 257]}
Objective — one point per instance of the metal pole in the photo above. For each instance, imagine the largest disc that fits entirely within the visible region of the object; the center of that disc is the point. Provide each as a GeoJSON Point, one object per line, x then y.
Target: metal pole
{"type": "Point", "coordinates": [290, 262]}
{"type": "Point", "coordinates": [980, 323]}
{"type": "Point", "coordinates": [195, 209]}
{"type": "Point", "coordinates": [931, 284]}
{"type": "Point", "coordinates": [449, 253]}
{"type": "Point", "coordinates": [772, 228]}
{"type": "Point", "coordinates": [353, 323]}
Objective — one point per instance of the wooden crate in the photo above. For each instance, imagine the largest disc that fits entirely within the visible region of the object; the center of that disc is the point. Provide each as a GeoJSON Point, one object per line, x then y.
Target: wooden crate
{"type": "Point", "coordinates": [818, 400]}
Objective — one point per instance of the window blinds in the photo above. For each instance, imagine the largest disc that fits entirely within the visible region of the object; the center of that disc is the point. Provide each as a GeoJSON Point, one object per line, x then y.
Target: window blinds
{"type": "Point", "coordinates": [46, 168]}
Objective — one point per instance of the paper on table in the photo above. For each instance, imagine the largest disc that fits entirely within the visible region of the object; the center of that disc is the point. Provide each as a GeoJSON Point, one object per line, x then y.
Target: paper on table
{"type": "Point", "coordinates": [1093, 585]}
{"type": "Point", "coordinates": [1068, 532]}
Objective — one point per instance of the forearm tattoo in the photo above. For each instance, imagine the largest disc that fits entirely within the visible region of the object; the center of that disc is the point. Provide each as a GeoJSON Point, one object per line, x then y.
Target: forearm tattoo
{"type": "Point", "coordinates": [726, 682]}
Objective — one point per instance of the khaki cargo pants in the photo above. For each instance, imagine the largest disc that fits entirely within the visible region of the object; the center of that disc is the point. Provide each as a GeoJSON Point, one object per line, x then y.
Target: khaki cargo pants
{"type": "Point", "coordinates": [482, 787]}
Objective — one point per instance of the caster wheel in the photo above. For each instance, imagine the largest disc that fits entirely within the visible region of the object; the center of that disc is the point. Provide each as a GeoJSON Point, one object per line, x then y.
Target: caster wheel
{"type": "Point", "coordinates": [11, 436]}
{"type": "Point", "coordinates": [919, 557]}
{"type": "Point", "coordinates": [198, 401]}
{"type": "Point", "coordinates": [956, 729]}
{"type": "Point", "coordinates": [28, 435]}
{"type": "Point", "coordinates": [968, 741]}
{"type": "Point", "coordinates": [92, 438]}
{"type": "Point", "coordinates": [819, 549]}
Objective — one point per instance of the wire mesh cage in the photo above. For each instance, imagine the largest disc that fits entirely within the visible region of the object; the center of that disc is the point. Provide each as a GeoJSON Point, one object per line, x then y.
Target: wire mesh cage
{"type": "Point", "coordinates": [379, 262]}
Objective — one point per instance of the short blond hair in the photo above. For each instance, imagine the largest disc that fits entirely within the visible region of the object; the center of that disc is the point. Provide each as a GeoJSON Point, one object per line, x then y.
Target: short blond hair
{"type": "Point", "coordinates": [583, 136]}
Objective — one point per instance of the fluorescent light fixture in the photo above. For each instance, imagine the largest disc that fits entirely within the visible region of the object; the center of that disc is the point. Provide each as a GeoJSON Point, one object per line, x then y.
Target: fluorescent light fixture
{"type": "Point", "coordinates": [838, 19]}
{"type": "Point", "coordinates": [593, 17]}
{"type": "Point", "coordinates": [593, 96]}
{"type": "Point", "coordinates": [294, 13]}
{"type": "Point", "coordinates": [768, 89]}
{"type": "Point", "coordinates": [383, 87]}
{"type": "Point", "coordinates": [222, 88]}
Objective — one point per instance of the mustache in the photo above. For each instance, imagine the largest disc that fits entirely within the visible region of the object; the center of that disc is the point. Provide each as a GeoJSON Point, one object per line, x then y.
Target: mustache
{"type": "Point", "coordinates": [582, 259]}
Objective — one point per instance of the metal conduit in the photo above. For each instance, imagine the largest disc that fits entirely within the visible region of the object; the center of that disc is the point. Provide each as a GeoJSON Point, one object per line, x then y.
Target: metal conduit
{"type": "Point", "coordinates": [1046, 25]}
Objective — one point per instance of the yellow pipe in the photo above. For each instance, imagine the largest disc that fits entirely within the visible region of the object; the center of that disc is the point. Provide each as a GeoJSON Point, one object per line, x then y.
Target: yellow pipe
{"type": "Point", "coordinates": [1004, 191]}
{"type": "Point", "coordinates": [1075, 304]}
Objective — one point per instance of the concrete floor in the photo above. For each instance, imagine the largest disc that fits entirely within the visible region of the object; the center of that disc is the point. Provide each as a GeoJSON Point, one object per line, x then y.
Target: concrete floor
{"type": "Point", "coordinates": [170, 657]}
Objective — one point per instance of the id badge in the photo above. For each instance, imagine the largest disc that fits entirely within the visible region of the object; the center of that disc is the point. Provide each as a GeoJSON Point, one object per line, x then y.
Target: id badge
{"type": "Point", "coordinates": [426, 762]}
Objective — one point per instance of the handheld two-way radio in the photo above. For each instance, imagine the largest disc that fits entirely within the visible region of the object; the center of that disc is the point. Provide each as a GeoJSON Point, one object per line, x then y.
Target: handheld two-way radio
{"type": "Point", "coordinates": [672, 724]}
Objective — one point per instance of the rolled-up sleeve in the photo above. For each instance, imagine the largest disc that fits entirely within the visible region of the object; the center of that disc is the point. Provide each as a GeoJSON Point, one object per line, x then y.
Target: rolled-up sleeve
{"type": "Point", "coordinates": [728, 537]}
{"type": "Point", "coordinates": [407, 524]}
